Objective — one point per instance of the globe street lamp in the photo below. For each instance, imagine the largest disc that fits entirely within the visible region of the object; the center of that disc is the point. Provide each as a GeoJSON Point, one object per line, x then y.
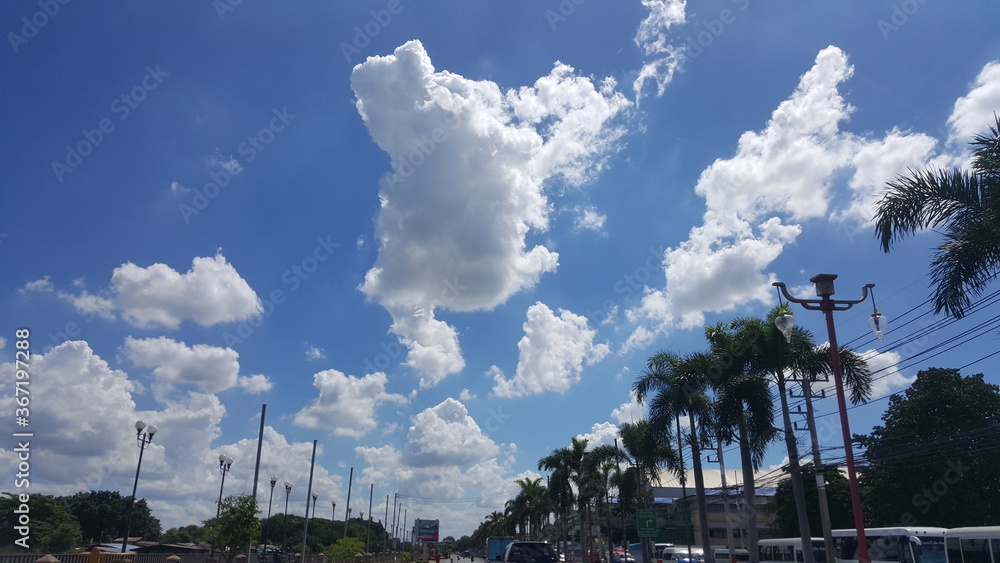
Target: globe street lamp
{"type": "Point", "coordinates": [284, 527]}
{"type": "Point", "coordinates": [315, 496]}
{"type": "Point", "coordinates": [824, 289]}
{"type": "Point", "coordinates": [143, 437]}
{"type": "Point", "coordinates": [274, 480]}
{"type": "Point", "coordinates": [224, 464]}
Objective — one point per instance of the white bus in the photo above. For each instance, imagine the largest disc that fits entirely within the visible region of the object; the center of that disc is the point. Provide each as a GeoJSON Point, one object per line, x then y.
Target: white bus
{"type": "Point", "coordinates": [783, 550]}
{"type": "Point", "coordinates": [669, 553]}
{"type": "Point", "coordinates": [721, 555]}
{"type": "Point", "coordinates": [974, 544]}
{"type": "Point", "coordinates": [892, 545]}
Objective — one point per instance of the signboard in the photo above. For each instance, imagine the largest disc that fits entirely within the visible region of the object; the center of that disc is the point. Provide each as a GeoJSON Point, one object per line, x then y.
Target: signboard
{"type": "Point", "coordinates": [646, 523]}
{"type": "Point", "coordinates": [427, 530]}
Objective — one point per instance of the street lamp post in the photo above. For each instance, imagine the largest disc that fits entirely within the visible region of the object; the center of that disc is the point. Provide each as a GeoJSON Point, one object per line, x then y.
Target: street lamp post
{"type": "Point", "coordinates": [315, 496]}
{"type": "Point", "coordinates": [143, 437]}
{"type": "Point", "coordinates": [824, 289]}
{"type": "Point", "coordinates": [333, 513]}
{"type": "Point", "coordinates": [274, 480]}
{"type": "Point", "coordinates": [284, 525]}
{"type": "Point", "coordinates": [224, 464]}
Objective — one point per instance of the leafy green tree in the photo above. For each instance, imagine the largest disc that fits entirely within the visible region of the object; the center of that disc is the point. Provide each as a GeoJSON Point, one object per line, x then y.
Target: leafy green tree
{"type": "Point", "coordinates": [237, 525]}
{"type": "Point", "coordinates": [933, 460]}
{"type": "Point", "coordinates": [187, 534]}
{"type": "Point", "coordinates": [967, 205]}
{"type": "Point", "coordinates": [838, 493]}
{"type": "Point", "coordinates": [103, 516]}
{"type": "Point", "coordinates": [51, 528]}
{"type": "Point", "coordinates": [344, 550]}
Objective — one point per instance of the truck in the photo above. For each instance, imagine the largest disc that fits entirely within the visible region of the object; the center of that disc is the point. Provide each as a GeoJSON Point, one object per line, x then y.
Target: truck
{"type": "Point", "coordinates": [495, 547]}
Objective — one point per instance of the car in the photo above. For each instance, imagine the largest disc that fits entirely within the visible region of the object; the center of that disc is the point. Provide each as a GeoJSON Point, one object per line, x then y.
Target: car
{"type": "Point", "coordinates": [530, 552]}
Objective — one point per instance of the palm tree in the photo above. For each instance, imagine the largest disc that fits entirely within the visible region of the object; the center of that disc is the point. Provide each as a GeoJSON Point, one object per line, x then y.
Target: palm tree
{"type": "Point", "coordinates": [680, 384]}
{"type": "Point", "coordinates": [645, 450]}
{"type": "Point", "coordinates": [744, 413]}
{"type": "Point", "coordinates": [569, 467]}
{"type": "Point", "coordinates": [967, 205]}
{"type": "Point", "coordinates": [765, 352]}
{"type": "Point", "coordinates": [530, 508]}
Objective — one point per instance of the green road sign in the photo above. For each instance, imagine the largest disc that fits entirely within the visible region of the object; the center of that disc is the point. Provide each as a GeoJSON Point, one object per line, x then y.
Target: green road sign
{"type": "Point", "coordinates": [646, 523]}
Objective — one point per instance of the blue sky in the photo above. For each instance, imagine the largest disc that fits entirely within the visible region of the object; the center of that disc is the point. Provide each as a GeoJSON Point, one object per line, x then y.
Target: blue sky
{"type": "Point", "coordinates": [442, 239]}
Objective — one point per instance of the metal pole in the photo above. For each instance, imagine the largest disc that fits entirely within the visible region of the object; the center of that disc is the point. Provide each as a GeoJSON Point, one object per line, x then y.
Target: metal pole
{"type": "Point", "coordinates": [824, 289]}
{"type": "Point", "coordinates": [305, 527]}
{"type": "Point", "coordinates": [371, 491]}
{"type": "Point", "coordinates": [824, 505]}
{"type": "Point", "coordinates": [142, 440]}
{"type": "Point", "coordinates": [347, 506]}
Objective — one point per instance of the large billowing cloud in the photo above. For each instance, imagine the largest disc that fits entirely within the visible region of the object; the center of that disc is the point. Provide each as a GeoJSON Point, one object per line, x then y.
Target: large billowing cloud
{"type": "Point", "coordinates": [446, 435]}
{"type": "Point", "coordinates": [346, 404]}
{"type": "Point", "coordinates": [553, 352]}
{"type": "Point", "coordinates": [469, 166]}
{"type": "Point", "coordinates": [211, 368]}
{"type": "Point", "coordinates": [158, 296]}
{"type": "Point", "coordinates": [757, 200]}
{"type": "Point", "coordinates": [448, 460]}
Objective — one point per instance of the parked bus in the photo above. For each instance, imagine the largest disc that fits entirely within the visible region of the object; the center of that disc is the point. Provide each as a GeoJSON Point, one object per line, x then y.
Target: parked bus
{"type": "Point", "coordinates": [783, 550]}
{"type": "Point", "coordinates": [974, 544]}
{"type": "Point", "coordinates": [721, 555]}
{"type": "Point", "coordinates": [669, 553]}
{"type": "Point", "coordinates": [892, 545]}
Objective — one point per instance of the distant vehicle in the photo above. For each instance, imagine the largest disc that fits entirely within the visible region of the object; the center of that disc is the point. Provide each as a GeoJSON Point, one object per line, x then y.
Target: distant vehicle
{"type": "Point", "coordinates": [722, 555]}
{"type": "Point", "coordinates": [973, 544]}
{"type": "Point", "coordinates": [530, 552]}
{"type": "Point", "coordinates": [892, 545]}
{"type": "Point", "coordinates": [780, 550]}
{"type": "Point", "coordinates": [670, 553]}
{"type": "Point", "coordinates": [495, 547]}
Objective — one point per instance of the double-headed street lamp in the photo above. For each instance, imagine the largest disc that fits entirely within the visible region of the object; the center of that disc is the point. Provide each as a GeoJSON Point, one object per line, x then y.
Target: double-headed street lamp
{"type": "Point", "coordinates": [274, 480]}
{"type": "Point", "coordinates": [224, 464]}
{"type": "Point", "coordinates": [879, 324]}
{"type": "Point", "coordinates": [143, 436]}
{"type": "Point", "coordinates": [284, 527]}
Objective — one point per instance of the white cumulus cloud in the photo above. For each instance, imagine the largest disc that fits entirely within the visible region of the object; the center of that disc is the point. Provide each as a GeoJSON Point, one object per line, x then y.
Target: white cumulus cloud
{"type": "Point", "coordinates": [469, 166]}
{"type": "Point", "coordinates": [211, 368]}
{"type": "Point", "coordinates": [346, 404]}
{"type": "Point", "coordinates": [553, 352]}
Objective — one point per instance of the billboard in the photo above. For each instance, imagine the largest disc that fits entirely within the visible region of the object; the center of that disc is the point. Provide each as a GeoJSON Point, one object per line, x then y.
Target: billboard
{"type": "Point", "coordinates": [427, 530]}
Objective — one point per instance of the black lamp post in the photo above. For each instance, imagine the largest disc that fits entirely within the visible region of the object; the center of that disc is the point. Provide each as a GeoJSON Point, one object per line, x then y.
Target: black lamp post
{"type": "Point", "coordinates": [143, 436]}
{"type": "Point", "coordinates": [274, 480]}
{"type": "Point", "coordinates": [284, 526]}
{"type": "Point", "coordinates": [824, 289]}
{"type": "Point", "coordinates": [224, 464]}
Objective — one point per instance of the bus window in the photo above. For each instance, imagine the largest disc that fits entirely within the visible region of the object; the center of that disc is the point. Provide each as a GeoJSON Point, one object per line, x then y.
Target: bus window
{"type": "Point", "coordinates": [975, 550]}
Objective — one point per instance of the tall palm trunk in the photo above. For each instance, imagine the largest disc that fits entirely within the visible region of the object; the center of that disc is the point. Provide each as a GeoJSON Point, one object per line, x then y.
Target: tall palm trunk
{"type": "Point", "coordinates": [699, 484]}
{"type": "Point", "coordinates": [798, 491]}
{"type": "Point", "coordinates": [749, 492]}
